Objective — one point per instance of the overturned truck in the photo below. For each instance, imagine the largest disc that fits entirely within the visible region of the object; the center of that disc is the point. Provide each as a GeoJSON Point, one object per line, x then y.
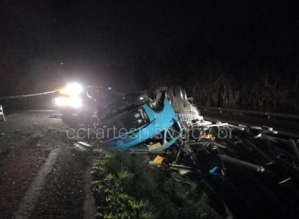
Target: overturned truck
{"type": "Point", "coordinates": [247, 171]}
{"type": "Point", "coordinates": [148, 121]}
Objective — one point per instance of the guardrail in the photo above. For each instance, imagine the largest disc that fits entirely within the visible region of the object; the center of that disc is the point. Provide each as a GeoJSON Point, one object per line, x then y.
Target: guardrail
{"type": "Point", "coordinates": [26, 95]}
{"type": "Point", "coordinates": [249, 112]}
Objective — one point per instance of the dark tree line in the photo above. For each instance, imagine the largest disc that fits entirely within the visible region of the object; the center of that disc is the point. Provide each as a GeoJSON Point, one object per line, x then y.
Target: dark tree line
{"type": "Point", "coordinates": [265, 82]}
{"type": "Point", "coordinates": [249, 62]}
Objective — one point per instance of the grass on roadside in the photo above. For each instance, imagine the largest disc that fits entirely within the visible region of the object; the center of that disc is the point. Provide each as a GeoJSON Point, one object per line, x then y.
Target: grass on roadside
{"type": "Point", "coordinates": [124, 187]}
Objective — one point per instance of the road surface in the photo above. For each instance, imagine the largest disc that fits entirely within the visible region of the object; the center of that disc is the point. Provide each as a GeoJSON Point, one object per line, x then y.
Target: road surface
{"type": "Point", "coordinates": [41, 175]}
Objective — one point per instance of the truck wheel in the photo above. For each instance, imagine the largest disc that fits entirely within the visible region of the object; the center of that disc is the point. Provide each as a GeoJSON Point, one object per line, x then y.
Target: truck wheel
{"type": "Point", "coordinates": [178, 93]}
{"type": "Point", "coordinates": [185, 99]}
{"type": "Point", "coordinates": [171, 95]}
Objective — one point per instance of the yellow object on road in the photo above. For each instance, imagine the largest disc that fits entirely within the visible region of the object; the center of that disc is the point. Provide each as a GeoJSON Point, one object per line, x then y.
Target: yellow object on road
{"type": "Point", "coordinates": [158, 160]}
{"type": "Point", "coordinates": [154, 146]}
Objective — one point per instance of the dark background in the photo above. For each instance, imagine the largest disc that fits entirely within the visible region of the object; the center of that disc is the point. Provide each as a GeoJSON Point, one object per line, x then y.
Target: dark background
{"type": "Point", "coordinates": [223, 52]}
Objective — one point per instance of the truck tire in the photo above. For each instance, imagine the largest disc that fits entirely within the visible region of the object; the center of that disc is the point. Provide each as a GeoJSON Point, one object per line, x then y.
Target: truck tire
{"type": "Point", "coordinates": [178, 92]}
{"type": "Point", "coordinates": [171, 95]}
{"type": "Point", "coordinates": [185, 99]}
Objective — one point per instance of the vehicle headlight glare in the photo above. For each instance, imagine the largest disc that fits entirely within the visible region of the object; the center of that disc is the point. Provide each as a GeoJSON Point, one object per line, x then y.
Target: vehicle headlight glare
{"type": "Point", "coordinates": [72, 89]}
{"type": "Point", "coordinates": [60, 101]}
{"type": "Point", "coordinates": [74, 102]}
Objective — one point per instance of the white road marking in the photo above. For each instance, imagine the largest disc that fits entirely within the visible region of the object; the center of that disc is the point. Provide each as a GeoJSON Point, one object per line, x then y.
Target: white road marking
{"type": "Point", "coordinates": [89, 202]}
{"type": "Point", "coordinates": [32, 195]}
{"type": "Point", "coordinates": [11, 115]}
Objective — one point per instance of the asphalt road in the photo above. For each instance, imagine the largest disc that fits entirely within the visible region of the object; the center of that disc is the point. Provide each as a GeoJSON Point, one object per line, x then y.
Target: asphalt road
{"type": "Point", "coordinates": [41, 175]}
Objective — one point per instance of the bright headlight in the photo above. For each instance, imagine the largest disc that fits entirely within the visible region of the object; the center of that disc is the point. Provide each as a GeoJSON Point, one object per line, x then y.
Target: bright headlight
{"type": "Point", "coordinates": [60, 101]}
{"type": "Point", "coordinates": [74, 102]}
{"type": "Point", "coordinates": [72, 89]}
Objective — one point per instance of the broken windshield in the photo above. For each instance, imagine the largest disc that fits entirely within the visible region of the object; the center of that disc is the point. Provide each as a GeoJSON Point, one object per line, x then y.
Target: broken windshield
{"type": "Point", "coordinates": [125, 103]}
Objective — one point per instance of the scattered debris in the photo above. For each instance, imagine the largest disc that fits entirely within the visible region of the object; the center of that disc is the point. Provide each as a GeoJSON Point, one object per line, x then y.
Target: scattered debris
{"type": "Point", "coordinates": [85, 144]}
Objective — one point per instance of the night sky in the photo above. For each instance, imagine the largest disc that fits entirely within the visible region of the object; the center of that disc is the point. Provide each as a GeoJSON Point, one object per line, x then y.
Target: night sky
{"type": "Point", "coordinates": [46, 43]}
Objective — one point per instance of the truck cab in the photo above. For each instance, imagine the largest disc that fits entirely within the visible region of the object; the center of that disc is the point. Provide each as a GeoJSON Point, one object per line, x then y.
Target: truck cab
{"type": "Point", "coordinates": [140, 123]}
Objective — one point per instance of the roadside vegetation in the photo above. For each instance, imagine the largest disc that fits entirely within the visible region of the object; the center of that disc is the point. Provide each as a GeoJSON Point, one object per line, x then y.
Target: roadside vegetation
{"type": "Point", "coordinates": [125, 187]}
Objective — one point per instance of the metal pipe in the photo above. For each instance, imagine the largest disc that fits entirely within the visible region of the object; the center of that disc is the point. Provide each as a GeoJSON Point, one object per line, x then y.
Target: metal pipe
{"type": "Point", "coordinates": [242, 163]}
{"type": "Point", "coordinates": [295, 149]}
